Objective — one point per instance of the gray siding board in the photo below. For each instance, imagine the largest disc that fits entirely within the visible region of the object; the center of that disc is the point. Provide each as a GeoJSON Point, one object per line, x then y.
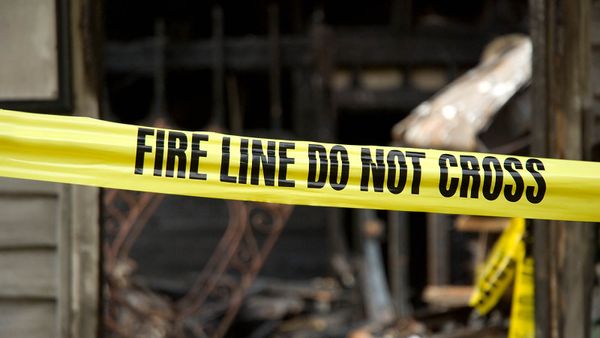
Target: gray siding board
{"type": "Point", "coordinates": [28, 222]}
{"type": "Point", "coordinates": [31, 319]}
{"type": "Point", "coordinates": [28, 274]}
{"type": "Point", "coordinates": [18, 186]}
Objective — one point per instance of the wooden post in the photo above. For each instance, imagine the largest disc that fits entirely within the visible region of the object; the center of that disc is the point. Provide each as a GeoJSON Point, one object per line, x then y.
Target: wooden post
{"type": "Point", "coordinates": [398, 259]}
{"type": "Point", "coordinates": [275, 68]}
{"type": "Point", "coordinates": [438, 249]}
{"type": "Point", "coordinates": [218, 68]}
{"type": "Point", "coordinates": [560, 91]}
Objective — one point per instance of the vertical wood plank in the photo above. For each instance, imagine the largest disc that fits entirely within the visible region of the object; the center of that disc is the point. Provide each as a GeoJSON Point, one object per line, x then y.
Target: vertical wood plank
{"type": "Point", "coordinates": [438, 249]}
{"type": "Point", "coordinates": [79, 301]}
{"type": "Point", "coordinates": [561, 95]}
{"type": "Point", "coordinates": [398, 258]}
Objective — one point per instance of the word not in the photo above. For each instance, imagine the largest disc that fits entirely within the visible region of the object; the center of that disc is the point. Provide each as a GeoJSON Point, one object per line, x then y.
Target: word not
{"type": "Point", "coordinates": [390, 169]}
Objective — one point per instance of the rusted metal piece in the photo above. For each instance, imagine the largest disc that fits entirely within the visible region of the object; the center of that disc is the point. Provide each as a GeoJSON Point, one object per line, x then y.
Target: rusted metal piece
{"type": "Point", "coordinates": [130, 310]}
{"type": "Point", "coordinates": [260, 226]}
{"type": "Point", "coordinates": [127, 213]}
{"type": "Point", "coordinates": [209, 307]}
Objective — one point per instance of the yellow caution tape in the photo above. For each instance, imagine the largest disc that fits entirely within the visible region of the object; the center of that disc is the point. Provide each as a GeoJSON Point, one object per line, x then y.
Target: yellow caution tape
{"type": "Point", "coordinates": [522, 320]}
{"type": "Point", "coordinates": [509, 259]}
{"type": "Point", "coordinates": [499, 268]}
{"type": "Point", "coordinates": [99, 153]}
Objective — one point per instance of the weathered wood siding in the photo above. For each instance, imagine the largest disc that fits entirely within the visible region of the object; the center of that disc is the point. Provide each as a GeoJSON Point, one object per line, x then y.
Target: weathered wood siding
{"type": "Point", "coordinates": [30, 263]}
{"type": "Point", "coordinates": [49, 233]}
